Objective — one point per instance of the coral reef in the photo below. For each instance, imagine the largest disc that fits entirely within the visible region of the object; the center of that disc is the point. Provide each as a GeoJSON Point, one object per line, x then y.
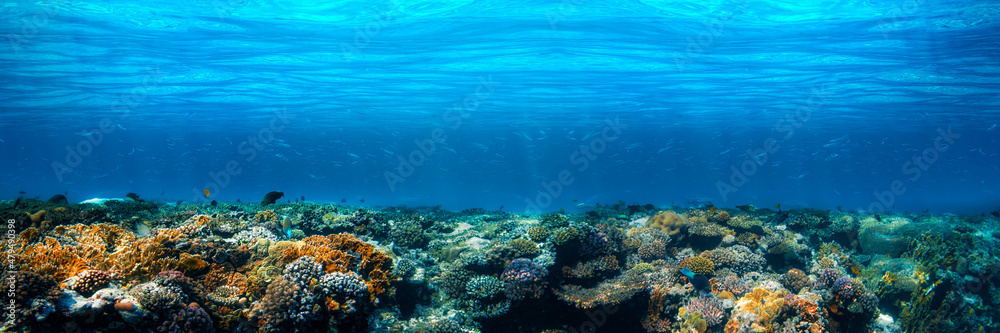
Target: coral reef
{"type": "Point", "coordinates": [130, 266]}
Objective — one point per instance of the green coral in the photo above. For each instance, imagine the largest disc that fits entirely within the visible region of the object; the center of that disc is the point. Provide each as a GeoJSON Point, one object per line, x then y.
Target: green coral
{"type": "Point", "coordinates": [453, 281]}
{"type": "Point", "coordinates": [538, 234]}
{"type": "Point", "coordinates": [565, 235]}
{"type": "Point", "coordinates": [743, 221]}
{"type": "Point", "coordinates": [484, 286]}
{"type": "Point", "coordinates": [408, 234]}
{"type": "Point", "coordinates": [523, 247]}
{"type": "Point", "coordinates": [640, 268]}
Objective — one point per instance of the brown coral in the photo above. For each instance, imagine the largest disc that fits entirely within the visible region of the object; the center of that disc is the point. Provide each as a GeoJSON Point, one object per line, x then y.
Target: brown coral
{"type": "Point", "coordinates": [670, 222]}
{"type": "Point", "coordinates": [220, 275]}
{"type": "Point", "coordinates": [266, 216]}
{"type": "Point", "coordinates": [652, 250]}
{"type": "Point", "coordinates": [90, 281]}
{"type": "Point", "coordinates": [718, 217]}
{"type": "Point", "coordinates": [795, 279]}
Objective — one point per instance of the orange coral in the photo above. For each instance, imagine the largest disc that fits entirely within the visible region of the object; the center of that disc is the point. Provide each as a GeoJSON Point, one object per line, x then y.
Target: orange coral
{"type": "Point", "coordinates": [73, 250]}
{"type": "Point", "coordinates": [145, 258]}
{"type": "Point", "coordinates": [50, 257]}
{"type": "Point", "coordinates": [756, 311]}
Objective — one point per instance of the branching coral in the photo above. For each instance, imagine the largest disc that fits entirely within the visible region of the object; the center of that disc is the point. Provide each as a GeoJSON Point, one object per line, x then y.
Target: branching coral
{"type": "Point", "coordinates": [602, 265]}
{"type": "Point", "coordinates": [610, 292]}
{"type": "Point", "coordinates": [146, 257]}
{"type": "Point", "coordinates": [78, 248]}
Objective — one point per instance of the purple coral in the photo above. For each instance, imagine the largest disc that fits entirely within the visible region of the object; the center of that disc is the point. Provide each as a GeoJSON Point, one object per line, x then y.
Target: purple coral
{"type": "Point", "coordinates": [709, 307]}
{"type": "Point", "coordinates": [868, 301]}
{"type": "Point", "coordinates": [737, 286]}
{"type": "Point", "coordinates": [524, 278]}
{"type": "Point", "coordinates": [844, 288]}
{"type": "Point", "coordinates": [827, 277]}
{"type": "Point", "coordinates": [524, 270]}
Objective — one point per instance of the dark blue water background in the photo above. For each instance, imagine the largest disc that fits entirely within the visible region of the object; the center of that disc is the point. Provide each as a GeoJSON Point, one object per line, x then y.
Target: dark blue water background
{"type": "Point", "coordinates": [817, 104]}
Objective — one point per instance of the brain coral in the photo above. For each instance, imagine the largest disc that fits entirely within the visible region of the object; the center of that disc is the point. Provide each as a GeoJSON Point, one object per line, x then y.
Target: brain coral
{"type": "Point", "coordinates": [669, 221]}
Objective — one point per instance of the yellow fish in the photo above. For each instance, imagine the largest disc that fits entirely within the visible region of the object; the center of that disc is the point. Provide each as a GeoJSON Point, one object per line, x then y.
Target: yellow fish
{"type": "Point", "coordinates": [206, 193]}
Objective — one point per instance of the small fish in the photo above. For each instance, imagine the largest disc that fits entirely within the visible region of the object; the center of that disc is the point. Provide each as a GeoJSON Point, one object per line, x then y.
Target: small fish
{"type": "Point", "coordinates": [992, 127]}
{"type": "Point", "coordinates": [206, 193]}
{"type": "Point", "coordinates": [286, 226]}
{"type": "Point", "coordinates": [142, 229]}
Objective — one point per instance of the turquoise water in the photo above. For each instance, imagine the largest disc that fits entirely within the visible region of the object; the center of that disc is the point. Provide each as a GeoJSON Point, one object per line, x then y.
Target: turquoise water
{"type": "Point", "coordinates": [864, 106]}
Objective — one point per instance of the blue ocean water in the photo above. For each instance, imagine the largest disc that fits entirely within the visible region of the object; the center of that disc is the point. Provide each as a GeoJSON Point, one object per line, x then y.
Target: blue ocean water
{"type": "Point", "coordinates": [526, 105]}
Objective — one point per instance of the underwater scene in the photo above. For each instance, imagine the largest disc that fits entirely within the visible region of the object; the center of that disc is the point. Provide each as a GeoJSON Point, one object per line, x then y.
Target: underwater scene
{"type": "Point", "coordinates": [446, 166]}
